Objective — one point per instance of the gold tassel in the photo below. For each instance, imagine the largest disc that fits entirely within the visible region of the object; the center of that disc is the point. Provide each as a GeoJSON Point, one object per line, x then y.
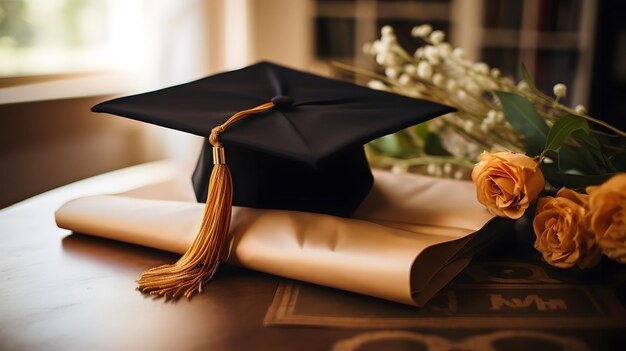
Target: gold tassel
{"type": "Point", "coordinates": [200, 262]}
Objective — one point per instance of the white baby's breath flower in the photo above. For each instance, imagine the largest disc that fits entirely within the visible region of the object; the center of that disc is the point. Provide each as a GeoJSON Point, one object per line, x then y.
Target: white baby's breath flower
{"type": "Point", "coordinates": [468, 126]}
{"type": "Point", "coordinates": [491, 118]}
{"type": "Point", "coordinates": [507, 81]}
{"type": "Point", "coordinates": [473, 88]}
{"type": "Point", "coordinates": [424, 70]}
{"type": "Point", "coordinates": [461, 95]}
{"type": "Point", "coordinates": [431, 168]}
{"type": "Point", "coordinates": [581, 109]}
{"type": "Point", "coordinates": [386, 30]}
{"type": "Point", "coordinates": [419, 86]}
{"type": "Point", "coordinates": [378, 47]}
{"type": "Point", "coordinates": [500, 117]}
{"type": "Point", "coordinates": [389, 39]}
{"type": "Point", "coordinates": [498, 103]}
{"type": "Point", "coordinates": [485, 126]}
{"type": "Point", "coordinates": [391, 72]}
{"type": "Point", "coordinates": [452, 86]}
{"type": "Point", "coordinates": [486, 83]}
{"type": "Point", "coordinates": [445, 50]}
{"type": "Point", "coordinates": [377, 85]}
{"type": "Point", "coordinates": [404, 79]}
{"type": "Point", "coordinates": [388, 59]}
{"type": "Point", "coordinates": [441, 72]}
{"type": "Point", "coordinates": [481, 68]}
{"type": "Point", "coordinates": [410, 69]}
{"type": "Point", "coordinates": [432, 54]}
{"type": "Point", "coordinates": [381, 58]}
{"type": "Point", "coordinates": [412, 92]}
{"type": "Point", "coordinates": [495, 73]}
{"type": "Point", "coordinates": [397, 169]}
{"type": "Point", "coordinates": [560, 90]}
{"type": "Point", "coordinates": [439, 80]}
{"type": "Point", "coordinates": [419, 53]}
{"type": "Point", "coordinates": [522, 86]}
{"type": "Point", "coordinates": [368, 49]}
{"type": "Point", "coordinates": [437, 37]}
{"type": "Point", "coordinates": [458, 53]}
{"type": "Point", "coordinates": [421, 31]}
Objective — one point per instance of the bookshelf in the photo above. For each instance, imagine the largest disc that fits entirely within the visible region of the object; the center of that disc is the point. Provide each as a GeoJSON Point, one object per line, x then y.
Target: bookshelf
{"type": "Point", "coordinates": [553, 38]}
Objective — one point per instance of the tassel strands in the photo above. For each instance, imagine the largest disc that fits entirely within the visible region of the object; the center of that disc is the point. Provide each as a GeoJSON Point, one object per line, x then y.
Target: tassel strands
{"type": "Point", "coordinates": [198, 265]}
{"type": "Point", "coordinates": [201, 260]}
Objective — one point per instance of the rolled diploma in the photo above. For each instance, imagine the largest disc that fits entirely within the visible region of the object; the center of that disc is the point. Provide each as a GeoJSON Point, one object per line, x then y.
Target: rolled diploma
{"type": "Point", "coordinates": [393, 251]}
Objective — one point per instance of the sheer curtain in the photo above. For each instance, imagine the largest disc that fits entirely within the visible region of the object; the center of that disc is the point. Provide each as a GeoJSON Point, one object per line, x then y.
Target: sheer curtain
{"type": "Point", "coordinates": [177, 46]}
{"type": "Point", "coordinates": [186, 40]}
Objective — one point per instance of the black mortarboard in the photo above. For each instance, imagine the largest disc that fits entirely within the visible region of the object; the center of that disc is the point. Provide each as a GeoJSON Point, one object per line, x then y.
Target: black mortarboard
{"type": "Point", "coordinates": [303, 147]}
{"type": "Point", "coordinates": [306, 154]}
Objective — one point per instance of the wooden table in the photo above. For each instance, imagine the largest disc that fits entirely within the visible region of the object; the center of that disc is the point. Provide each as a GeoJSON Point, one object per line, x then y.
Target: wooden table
{"type": "Point", "coordinates": [63, 291]}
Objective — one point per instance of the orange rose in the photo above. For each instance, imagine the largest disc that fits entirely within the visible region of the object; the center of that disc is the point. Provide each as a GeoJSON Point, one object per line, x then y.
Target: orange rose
{"type": "Point", "coordinates": [562, 234]}
{"type": "Point", "coordinates": [607, 216]}
{"type": "Point", "coordinates": [507, 183]}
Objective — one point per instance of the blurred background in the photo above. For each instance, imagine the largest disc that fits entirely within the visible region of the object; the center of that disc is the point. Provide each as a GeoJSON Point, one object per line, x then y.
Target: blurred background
{"type": "Point", "coordinates": [60, 57]}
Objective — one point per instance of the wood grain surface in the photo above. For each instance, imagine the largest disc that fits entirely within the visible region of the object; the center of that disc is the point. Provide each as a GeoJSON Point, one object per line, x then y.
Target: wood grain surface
{"type": "Point", "coordinates": [64, 291]}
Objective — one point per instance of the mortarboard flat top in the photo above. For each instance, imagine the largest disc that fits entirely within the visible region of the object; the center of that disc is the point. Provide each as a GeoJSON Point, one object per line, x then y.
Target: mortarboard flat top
{"type": "Point", "coordinates": [304, 154]}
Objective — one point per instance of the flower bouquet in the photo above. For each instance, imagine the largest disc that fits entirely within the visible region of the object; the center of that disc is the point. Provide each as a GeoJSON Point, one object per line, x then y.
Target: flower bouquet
{"type": "Point", "coordinates": [517, 144]}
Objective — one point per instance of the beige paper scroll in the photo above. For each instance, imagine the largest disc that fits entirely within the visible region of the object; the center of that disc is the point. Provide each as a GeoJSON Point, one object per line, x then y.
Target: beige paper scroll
{"type": "Point", "coordinates": [410, 237]}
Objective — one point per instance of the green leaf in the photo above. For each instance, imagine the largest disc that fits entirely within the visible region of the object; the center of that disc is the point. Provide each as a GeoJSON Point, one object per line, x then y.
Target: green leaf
{"type": "Point", "coordinates": [421, 130]}
{"type": "Point", "coordinates": [577, 182]}
{"type": "Point", "coordinates": [592, 146]}
{"type": "Point", "coordinates": [395, 145]}
{"type": "Point", "coordinates": [581, 181]}
{"type": "Point", "coordinates": [587, 138]}
{"type": "Point", "coordinates": [433, 146]}
{"type": "Point", "coordinates": [565, 126]}
{"type": "Point", "coordinates": [525, 120]}
{"type": "Point", "coordinates": [578, 158]}
{"type": "Point", "coordinates": [619, 161]}
{"type": "Point", "coordinates": [431, 142]}
{"type": "Point", "coordinates": [527, 78]}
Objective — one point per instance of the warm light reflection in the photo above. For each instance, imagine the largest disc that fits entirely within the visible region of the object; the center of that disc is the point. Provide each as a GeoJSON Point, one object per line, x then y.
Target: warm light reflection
{"type": "Point", "coordinates": [68, 36]}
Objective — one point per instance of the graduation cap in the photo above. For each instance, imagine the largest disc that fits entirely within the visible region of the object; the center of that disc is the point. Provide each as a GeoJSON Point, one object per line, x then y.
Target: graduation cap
{"type": "Point", "coordinates": [294, 141]}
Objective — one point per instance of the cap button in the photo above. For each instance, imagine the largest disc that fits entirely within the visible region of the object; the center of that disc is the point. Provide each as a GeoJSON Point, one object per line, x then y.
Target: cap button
{"type": "Point", "coordinates": [282, 101]}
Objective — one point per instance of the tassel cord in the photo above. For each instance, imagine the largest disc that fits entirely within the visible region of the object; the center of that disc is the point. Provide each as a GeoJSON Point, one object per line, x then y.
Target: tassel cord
{"type": "Point", "coordinates": [199, 263]}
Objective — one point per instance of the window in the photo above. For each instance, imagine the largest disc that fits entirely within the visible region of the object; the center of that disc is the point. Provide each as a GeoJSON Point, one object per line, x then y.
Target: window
{"type": "Point", "coordinates": [43, 37]}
